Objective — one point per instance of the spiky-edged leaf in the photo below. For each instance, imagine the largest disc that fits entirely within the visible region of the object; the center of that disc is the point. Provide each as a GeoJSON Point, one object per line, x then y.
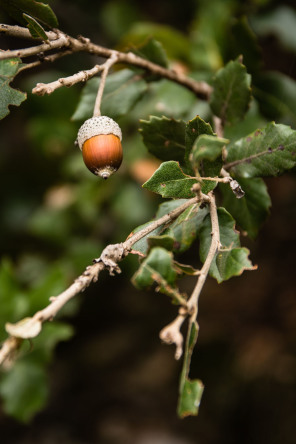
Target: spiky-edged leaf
{"type": "Point", "coordinates": [195, 128]}
{"type": "Point", "coordinates": [231, 95]}
{"type": "Point", "coordinates": [8, 95]}
{"type": "Point", "coordinates": [266, 152]}
{"type": "Point", "coordinates": [164, 138]}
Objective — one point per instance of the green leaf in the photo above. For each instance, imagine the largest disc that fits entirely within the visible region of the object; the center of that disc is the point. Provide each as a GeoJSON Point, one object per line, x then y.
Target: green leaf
{"type": "Point", "coordinates": [185, 269]}
{"type": "Point", "coordinates": [35, 28]}
{"type": "Point", "coordinates": [170, 181]}
{"type": "Point", "coordinates": [158, 265]}
{"type": "Point", "coordinates": [142, 245]}
{"type": "Point", "coordinates": [231, 95]}
{"type": "Point", "coordinates": [185, 228]}
{"type": "Point", "coordinates": [195, 128]}
{"type": "Point", "coordinates": [39, 11]}
{"type": "Point", "coordinates": [24, 390]}
{"type": "Point", "coordinates": [190, 396]}
{"type": "Point", "coordinates": [206, 159]}
{"type": "Point", "coordinates": [164, 241]}
{"type": "Point", "coordinates": [164, 138]}
{"type": "Point", "coordinates": [266, 152]}
{"type": "Point", "coordinates": [153, 51]}
{"type": "Point", "coordinates": [122, 90]}
{"type": "Point", "coordinates": [165, 98]}
{"type": "Point", "coordinates": [251, 210]}
{"type": "Point", "coordinates": [179, 236]}
{"type": "Point", "coordinates": [231, 259]}
{"type": "Point", "coordinates": [8, 95]}
{"type": "Point", "coordinates": [190, 391]}
{"type": "Point", "coordinates": [207, 148]}
{"type": "Point", "coordinates": [175, 43]}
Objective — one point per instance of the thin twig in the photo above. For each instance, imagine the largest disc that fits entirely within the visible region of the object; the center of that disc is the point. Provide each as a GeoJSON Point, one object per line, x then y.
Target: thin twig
{"type": "Point", "coordinates": [47, 88]}
{"type": "Point", "coordinates": [215, 179]}
{"type": "Point", "coordinates": [60, 42]}
{"type": "Point", "coordinates": [172, 215]}
{"type": "Point", "coordinates": [47, 58]}
{"type": "Point", "coordinates": [105, 69]}
{"type": "Point", "coordinates": [215, 244]}
{"type": "Point", "coordinates": [171, 334]}
{"type": "Point", "coordinates": [109, 258]}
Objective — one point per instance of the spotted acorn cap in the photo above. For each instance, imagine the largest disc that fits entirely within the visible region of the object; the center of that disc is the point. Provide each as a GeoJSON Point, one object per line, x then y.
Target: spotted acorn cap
{"type": "Point", "coordinates": [96, 126]}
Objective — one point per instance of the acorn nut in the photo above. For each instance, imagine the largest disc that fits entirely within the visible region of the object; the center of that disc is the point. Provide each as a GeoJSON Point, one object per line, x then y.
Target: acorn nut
{"type": "Point", "coordinates": [99, 139]}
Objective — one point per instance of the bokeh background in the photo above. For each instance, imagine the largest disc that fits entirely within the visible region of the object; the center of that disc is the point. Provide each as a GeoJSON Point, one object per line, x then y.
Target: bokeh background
{"type": "Point", "coordinates": [113, 381]}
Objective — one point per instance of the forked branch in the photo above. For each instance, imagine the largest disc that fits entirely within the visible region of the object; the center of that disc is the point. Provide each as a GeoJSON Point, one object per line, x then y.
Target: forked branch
{"type": "Point", "coordinates": [171, 334]}
{"type": "Point", "coordinates": [59, 40]}
{"type": "Point", "coordinates": [109, 259]}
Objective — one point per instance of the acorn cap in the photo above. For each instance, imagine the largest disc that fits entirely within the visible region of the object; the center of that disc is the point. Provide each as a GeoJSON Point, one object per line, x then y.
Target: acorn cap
{"type": "Point", "coordinates": [96, 126]}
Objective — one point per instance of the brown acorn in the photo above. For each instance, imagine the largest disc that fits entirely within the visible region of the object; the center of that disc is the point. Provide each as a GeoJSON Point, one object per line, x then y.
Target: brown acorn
{"type": "Point", "coordinates": [99, 138]}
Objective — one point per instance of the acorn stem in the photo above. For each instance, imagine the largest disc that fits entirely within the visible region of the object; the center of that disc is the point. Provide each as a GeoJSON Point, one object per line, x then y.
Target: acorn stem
{"type": "Point", "coordinates": [107, 65]}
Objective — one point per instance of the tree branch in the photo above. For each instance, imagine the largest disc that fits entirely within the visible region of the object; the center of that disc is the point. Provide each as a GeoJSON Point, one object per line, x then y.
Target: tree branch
{"type": "Point", "coordinates": [23, 33]}
{"type": "Point", "coordinates": [61, 40]}
{"type": "Point", "coordinates": [47, 88]}
{"type": "Point", "coordinates": [109, 259]}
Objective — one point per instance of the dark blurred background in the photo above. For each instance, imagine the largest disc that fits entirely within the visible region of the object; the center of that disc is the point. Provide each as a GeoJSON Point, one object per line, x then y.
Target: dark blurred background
{"type": "Point", "coordinates": [113, 381]}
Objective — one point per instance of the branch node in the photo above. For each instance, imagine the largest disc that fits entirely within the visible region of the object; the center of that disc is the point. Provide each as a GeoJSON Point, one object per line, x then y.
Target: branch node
{"type": "Point", "coordinates": [110, 256]}
{"type": "Point", "coordinates": [196, 188]}
{"type": "Point", "coordinates": [83, 39]}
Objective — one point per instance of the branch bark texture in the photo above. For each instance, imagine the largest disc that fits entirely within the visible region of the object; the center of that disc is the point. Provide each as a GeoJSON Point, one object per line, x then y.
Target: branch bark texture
{"type": "Point", "coordinates": [59, 40]}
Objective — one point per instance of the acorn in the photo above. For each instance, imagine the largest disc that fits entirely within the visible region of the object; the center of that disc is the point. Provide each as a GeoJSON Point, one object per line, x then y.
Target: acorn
{"type": "Point", "coordinates": [99, 139]}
